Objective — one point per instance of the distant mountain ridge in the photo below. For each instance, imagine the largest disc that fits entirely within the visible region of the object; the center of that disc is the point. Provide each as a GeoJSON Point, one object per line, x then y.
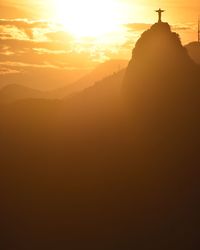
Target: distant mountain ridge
{"type": "Point", "coordinates": [14, 92]}
{"type": "Point", "coordinates": [102, 71]}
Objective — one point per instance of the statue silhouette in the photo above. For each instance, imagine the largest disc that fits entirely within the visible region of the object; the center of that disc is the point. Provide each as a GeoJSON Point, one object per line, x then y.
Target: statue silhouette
{"type": "Point", "coordinates": [159, 11]}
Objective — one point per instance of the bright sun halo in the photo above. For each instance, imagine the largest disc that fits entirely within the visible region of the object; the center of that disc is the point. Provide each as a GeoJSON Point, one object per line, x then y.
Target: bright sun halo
{"type": "Point", "coordinates": [87, 17]}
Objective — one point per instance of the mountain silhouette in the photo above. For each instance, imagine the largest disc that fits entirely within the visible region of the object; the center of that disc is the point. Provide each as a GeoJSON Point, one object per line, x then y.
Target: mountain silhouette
{"type": "Point", "coordinates": [101, 94]}
{"type": "Point", "coordinates": [102, 71]}
{"type": "Point", "coordinates": [193, 49]}
{"type": "Point", "coordinates": [14, 92]}
{"type": "Point", "coordinates": [161, 90]}
{"type": "Point", "coordinates": [161, 78]}
{"type": "Point", "coordinates": [54, 78]}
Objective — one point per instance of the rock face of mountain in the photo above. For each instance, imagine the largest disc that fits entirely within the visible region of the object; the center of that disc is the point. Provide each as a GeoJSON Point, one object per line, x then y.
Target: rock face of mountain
{"type": "Point", "coordinates": [161, 81]}
{"type": "Point", "coordinates": [98, 102]}
{"type": "Point", "coordinates": [162, 88]}
{"type": "Point", "coordinates": [194, 51]}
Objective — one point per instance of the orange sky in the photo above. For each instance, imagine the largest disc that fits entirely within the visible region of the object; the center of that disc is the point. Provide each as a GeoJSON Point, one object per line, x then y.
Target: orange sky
{"type": "Point", "coordinates": [65, 36]}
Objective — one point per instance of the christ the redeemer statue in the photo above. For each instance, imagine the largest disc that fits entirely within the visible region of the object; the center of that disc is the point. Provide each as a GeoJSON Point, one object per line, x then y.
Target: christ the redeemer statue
{"type": "Point", "coordinates": [159, 11]}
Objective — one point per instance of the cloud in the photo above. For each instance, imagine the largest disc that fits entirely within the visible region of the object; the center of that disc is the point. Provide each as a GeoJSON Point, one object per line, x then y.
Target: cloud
{"type": "Point", "coordinates": [33, 50]}
{"type": "Point", "coordinates": [137, 26]}
{"type": "Point", "coordinates": [59, 36]}
{"type": "Point", "coordinates": [25, 25]}
{"type": "Point", "coordinates": [143, 26]}
{"type": "Point", "coordinates": [16, 45]}
{"type": "Point", "coordinates": [181, 27]}
{"type": "Point", "coordinates": [8, 71]}
{"type": "Point", "coordinates": [40, 43]}
{"type": "Point", "coordinates": [10, 11]}
{"type": "Point", "coordinates": [26, 65]}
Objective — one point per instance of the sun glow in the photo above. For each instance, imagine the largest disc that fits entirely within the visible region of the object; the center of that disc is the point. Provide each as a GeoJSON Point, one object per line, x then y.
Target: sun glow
{"type": "Point", "coordinates": [87, 18]}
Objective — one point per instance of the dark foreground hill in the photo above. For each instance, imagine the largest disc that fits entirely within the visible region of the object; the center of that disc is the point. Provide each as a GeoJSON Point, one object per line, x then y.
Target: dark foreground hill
{"type": "Point", "coordinates": [97, 171]}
